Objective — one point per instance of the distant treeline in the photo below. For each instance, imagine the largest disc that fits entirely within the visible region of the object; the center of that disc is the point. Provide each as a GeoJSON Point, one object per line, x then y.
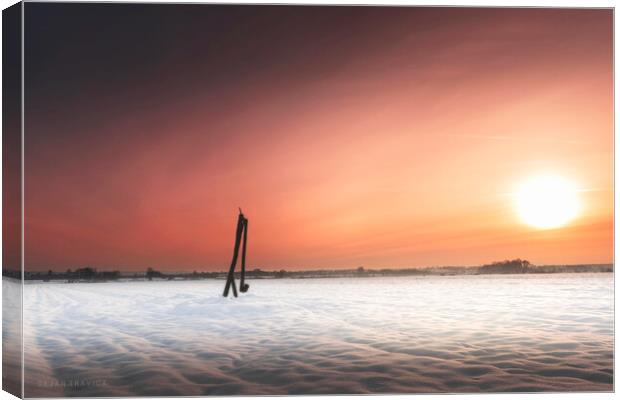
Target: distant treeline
{"type": "Point", "coordinates": [516, 266]}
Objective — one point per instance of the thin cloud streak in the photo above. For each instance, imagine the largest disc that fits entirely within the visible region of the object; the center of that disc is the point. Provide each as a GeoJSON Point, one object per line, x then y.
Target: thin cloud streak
{"type": "Point", "coordinates": [518, 139]}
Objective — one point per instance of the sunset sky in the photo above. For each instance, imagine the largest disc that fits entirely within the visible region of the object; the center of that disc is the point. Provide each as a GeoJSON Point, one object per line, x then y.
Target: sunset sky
{"type": "Point", "coordinates": [350, 136]}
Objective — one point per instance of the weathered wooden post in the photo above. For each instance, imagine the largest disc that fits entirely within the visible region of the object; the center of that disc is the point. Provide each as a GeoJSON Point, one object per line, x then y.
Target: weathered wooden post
{"type": "Point", "coordinates": [242, 229]}
{"type": "Point", "coordinates": [243, 287]}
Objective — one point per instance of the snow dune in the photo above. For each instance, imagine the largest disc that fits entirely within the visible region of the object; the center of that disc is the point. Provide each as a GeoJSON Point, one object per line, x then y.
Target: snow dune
{"type": "Point", "coordinates": [365, 335]}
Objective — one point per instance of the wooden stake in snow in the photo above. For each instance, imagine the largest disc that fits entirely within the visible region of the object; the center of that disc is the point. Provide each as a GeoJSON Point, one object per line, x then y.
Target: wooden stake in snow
{"type": "Point", "coordinates": [242, 232]}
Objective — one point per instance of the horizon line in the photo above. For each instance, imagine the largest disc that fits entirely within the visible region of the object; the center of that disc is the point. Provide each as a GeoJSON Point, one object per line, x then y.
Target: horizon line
{"type": "Point", "coordinates": [251, 269]}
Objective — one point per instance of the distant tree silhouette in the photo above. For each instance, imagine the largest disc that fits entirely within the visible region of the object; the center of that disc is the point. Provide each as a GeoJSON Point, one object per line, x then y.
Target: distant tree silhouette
{"type": "Point", "coordinates": [108, 275]}
{"type": "Point", "coordinates": [151, 273]}
{"type": "Point", "coordinates": [86, 273]}
{"type": "Point", "coordinates": [516, 266]}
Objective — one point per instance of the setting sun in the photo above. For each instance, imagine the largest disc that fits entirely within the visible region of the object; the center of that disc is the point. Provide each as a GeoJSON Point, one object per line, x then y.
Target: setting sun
{"type": "Point", "coordinates": [547, 202]}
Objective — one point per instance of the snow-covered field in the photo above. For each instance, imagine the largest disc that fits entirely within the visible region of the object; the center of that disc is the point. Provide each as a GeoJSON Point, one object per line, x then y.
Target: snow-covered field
{"type": "Point", "coordinates": [11, 336]}
{"type": "Point", "coordinates": [365, 335]}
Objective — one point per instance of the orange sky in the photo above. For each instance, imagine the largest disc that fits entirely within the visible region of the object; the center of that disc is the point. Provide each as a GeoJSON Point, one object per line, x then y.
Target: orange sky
{"type": "Point", "coordinates": [392, 139]}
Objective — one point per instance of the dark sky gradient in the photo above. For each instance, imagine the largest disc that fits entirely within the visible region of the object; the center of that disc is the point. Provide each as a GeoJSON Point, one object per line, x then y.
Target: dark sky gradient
{"type": "Point", "coordinates": [341, 131]}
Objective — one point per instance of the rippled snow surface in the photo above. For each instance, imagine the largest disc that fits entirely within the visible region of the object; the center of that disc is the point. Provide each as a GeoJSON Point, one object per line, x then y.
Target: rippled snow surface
{"type": "Point", "coordinates": [364, 335]}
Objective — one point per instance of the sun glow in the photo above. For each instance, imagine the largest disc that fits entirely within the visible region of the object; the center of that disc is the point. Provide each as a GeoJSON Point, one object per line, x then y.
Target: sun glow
{"type": "Point", "coordinates": [547, 202]}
